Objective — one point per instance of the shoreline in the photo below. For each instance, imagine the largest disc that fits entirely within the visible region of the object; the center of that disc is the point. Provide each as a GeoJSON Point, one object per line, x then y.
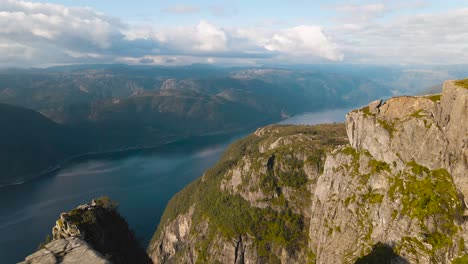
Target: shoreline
{"type": "Point", "coordinates": [88, 155]}
{"type": "Point", "coordinates": [69, 160]}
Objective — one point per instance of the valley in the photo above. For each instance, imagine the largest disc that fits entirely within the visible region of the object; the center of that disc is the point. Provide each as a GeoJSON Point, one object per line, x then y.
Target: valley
{"type": "Point", "coordinates": [106, 108]}
{"type": "Point", "coordinates": [134, 180]}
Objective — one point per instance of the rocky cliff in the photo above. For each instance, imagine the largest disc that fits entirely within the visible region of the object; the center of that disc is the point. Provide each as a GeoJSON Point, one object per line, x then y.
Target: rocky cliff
{"type": "Point", "coordinates": [91, 233]}
{"type": "Point", "coordinates": [393, 191]}
{"type": "Point", "coordinates": [66, 250]}
{"type": "Point", "coordinates": [253, 205]}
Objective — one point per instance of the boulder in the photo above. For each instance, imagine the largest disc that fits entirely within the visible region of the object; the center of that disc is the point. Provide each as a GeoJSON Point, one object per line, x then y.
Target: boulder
{"type": "Point", "coordinates": [374, 106]}
{"type": "Point", "coordinates": [70, 250]}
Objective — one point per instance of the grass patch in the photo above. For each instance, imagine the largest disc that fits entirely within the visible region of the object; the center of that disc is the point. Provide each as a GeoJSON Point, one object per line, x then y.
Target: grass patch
{"type": "Point", "coordinates": [387, 126]}
{"type": "Point", "coordinates": [373, 198]}
{"type": "Point", "coordinates": [348, 150]}
{"type": "Point", "coordinates": [460, 260]}
{"type": "Point", "coordinates": [106, 202]}
{"type": "Point", "coordinates": [435, 97]}
{"type": "Point", "coordinates": [378, 166]}
{"type": "Point", "coordinates": [429, 195]}
{"type": "Point", "coordinates": [463, 83]}
{"type": "Point", "coordinates": [417, 114]}
{"type": "Point", "coordinates": [366, 111]}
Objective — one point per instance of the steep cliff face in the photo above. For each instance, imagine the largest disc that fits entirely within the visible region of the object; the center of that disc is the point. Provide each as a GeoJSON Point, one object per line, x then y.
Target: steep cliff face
{"type": "Point", "coordinates": [403, 181]}
{"type": "Point", "coordinates": [431, 131]}
{"type": "Point", "coordinates": [399, 187]}
{"type": "Point", "coordinates": [91, 233]}
{"type": "Point", "coordinates": [253, 206]}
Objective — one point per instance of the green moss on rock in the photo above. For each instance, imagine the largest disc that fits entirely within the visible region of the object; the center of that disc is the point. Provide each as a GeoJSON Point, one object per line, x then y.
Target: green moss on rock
{"type": "Point", "coordinates": [417, 114]}
{"type": "Point", "coordinates": [373, 198]}
{"type": "Point", "coordinates": [462, 83]}
{"type": "Point", "coordinates": [229, 215]}
{"type": "Point", "coordinates": [460, 260]}
{"type": "Point", "coordinates": [377, 166]}
{"type": "Point", "coordinates": [435, 97]}
{"type": "Point", "coordinates": [429, 196]}
{"type": "Point", "coordinates": [387, 125]}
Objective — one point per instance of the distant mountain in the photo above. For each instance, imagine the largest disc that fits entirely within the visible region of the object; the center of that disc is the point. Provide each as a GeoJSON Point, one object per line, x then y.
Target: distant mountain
{"type": "Point", "coordinates": [403, 79]}
{"type": "Point", "coordinates": [94, 108]}
{"type": "Point", "coordinates": [71, 94]}
{"type": "Point", "coordinates": [31, 143]}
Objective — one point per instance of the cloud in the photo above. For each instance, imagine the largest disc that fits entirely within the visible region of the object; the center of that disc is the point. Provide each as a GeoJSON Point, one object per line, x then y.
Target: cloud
{"type": "Point", "coordinates": [415, 39]}
{"type": "Point", "coordinates": [210, 37]}
{"type": "Point", "coordinates": [201, 38]}
{"type": "Point", "coordinates": [304, 40]}
{"type": "Point", "coordinates": [37, 34]}
{"type": "Point", "coordinates": [25, 21]}
{"type": "Point", "coordinates": [48, 32]}
{"type": "Point", "coordinates": [42, 33]}
{"type": "Point", "coordinates": [181, 9]}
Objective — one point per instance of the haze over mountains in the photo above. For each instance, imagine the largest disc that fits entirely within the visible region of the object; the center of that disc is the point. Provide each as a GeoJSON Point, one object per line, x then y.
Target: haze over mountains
{"type": "Point", "coordinates": [92, 108]}
{"type": "Point", "coordinates": [137, 100]}
{"type": "Point", "coordinates": [388, 186]}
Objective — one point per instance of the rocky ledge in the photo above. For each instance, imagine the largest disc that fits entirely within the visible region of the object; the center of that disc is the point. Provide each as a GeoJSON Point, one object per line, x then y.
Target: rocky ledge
{"type": "Point", "coordinates": [66, 250]}
{"type": "Point", "coordinates": [395, 191]}
{"type": "Point", "coordinates": [91, 233]}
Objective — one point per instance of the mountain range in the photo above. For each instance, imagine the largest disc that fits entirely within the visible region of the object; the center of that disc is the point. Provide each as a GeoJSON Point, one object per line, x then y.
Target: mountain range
{"type": "Point", "coordinates": [388, 186]}
{"type": "Point", "coordinates": [99, 108]}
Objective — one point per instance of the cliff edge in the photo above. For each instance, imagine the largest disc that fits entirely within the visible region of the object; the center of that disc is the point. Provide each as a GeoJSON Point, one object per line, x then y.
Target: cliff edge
{"type": "Point", "coordinates": [389, 186]}
{"type": "Point", "coordinates": [91, 233]}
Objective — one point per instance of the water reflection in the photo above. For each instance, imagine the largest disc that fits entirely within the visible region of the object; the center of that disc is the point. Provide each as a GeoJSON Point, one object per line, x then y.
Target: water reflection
{"type": "Point", "coordinates": [330, 116]}
{"type": "Point", "coordinates": [141, 181]}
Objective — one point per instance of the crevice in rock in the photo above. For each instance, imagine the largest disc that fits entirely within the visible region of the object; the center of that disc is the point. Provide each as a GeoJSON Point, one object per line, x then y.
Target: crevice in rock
{"type": "Point", "coordinates": [239, 252]}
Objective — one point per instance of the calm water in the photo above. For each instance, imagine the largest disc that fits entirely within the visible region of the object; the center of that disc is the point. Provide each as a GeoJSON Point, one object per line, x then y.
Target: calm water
{"type": "Point", "coordinates": [142, 183]}
{"type": "Point", "coordinates": [330, 116]}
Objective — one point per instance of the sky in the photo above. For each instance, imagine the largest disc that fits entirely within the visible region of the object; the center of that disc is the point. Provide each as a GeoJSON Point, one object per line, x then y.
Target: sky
{"type": "Point", "coordinates": [236, 32]}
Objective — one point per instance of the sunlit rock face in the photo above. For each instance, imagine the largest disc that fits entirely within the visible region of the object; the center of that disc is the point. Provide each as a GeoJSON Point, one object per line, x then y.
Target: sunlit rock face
{"type": "Point", "coordinates": [393, 191]}
{"type": "Point", "coordinates": [402, 182]}
{"type": "Point", "coordinates": [429, 130]}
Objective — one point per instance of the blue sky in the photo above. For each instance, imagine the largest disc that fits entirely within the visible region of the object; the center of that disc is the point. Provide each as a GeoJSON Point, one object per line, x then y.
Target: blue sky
{"type": "Point", "coordinates": [35, 33]}
{"type": "Point", "coordinates": [240, 12]}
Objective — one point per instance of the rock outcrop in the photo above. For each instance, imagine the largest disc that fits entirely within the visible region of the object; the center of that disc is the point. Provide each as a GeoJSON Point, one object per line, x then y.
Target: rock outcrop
{"type": "Point", "coordinates": [394, 192]}
{"type": "Point", "coordinates": [253, 206]}
{"type": "Point", "coordinates": [66, 250]}
{"type": "Point", "coordinates": [91, 233]}
{"type": "Point", "coordinates": [429, 130]}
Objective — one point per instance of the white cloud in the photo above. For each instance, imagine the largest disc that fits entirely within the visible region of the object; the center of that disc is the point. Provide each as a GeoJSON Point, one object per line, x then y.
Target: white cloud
{"type": "Point", "coordinates": [34, 21]}
{"type": "Point", "coordinates": [304, 40]}
{"type": "Point", "coordinates": [204, 37]}
{"type": "Point", "coordinates": [210, 37]}
{"type": "Point", "coordinates": [41, 33]}
{"type": "Point", "coordinates": [415, 39]}
{"type": "Point", "coordinates": [54, 33]}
